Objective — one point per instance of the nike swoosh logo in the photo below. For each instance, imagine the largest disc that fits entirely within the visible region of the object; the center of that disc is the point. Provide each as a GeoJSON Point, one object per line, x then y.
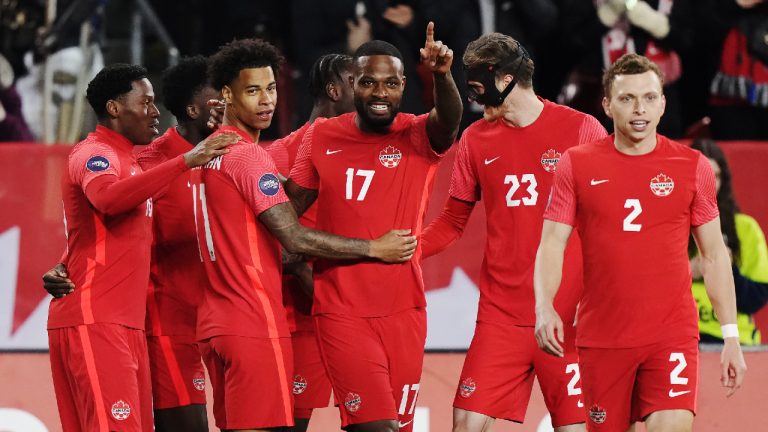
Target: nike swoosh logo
{"type": "Point", "coordinates": [490, 161]}
{"type": "Point", "coordinates": [402, 425]}
{"type": "Point", "coordinates": [594, 182]}
{"type": "Point", "coordinates": [330, 152]}
{"type": "Point", "coordinates": [580, 404]}
{"type": "Point", "coordinates": [673, 394]}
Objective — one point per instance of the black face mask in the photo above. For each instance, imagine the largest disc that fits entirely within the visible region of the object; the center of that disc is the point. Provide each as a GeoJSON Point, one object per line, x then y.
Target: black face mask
{"type": "Point", "coordinates": [485, 74]}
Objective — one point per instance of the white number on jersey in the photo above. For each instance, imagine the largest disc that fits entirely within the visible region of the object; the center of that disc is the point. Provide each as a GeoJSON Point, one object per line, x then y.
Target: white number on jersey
{"type": "Point", "coordinates": [404, 400]}
{"type": "Point", "coordinates": [368, 174]}
{"type": "Point", "coordinates": [533, 195]}
{"type": "Point", "coordinates": [674, 376]}
{"type": "Point", "coordinates": [206, 223]}
{"type": "Point", "coordinates": [634, 204]}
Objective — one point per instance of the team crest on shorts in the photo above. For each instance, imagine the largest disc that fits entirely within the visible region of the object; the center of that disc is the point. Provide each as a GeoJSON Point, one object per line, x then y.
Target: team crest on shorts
{"type": "Point", "coordinates": [467, 386]}
{"type": "Point", "coordinates": [199, 382]}
{"type": "Point", "coordinates": [299, 384]}
{"type": "Point", "coordinates": [662, 185]}
{"type": "Point", "coordinates": [597, 414]}
{"type": "Point", "coordinates": [390, 157]}
{"type": "Point", "coordinates": [550, 159]}
{"type": "Point", "coordinates": [121, 410]}
{"type": "Point", "coordinates": [352, 402]}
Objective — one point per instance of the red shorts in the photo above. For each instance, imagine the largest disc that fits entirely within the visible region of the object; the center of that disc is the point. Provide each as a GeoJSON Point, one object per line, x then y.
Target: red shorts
{"type": "Point", "coordinates": [178, 378]}
{"type": "Point", "coordinates": [311, 387]}
{"type": "Point", "coordinates": [622, 386]}
{"type": "Point", "coordinates": [498, 373]}
{"type": "Point", "coordinates": [251, 381]}
{"type": "Point", "coordinates": [101, 378]}
{"type": "Point", "coordinates": [374, 364]}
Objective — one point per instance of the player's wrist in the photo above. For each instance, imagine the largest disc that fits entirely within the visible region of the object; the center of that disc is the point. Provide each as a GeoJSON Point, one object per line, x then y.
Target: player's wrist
{"type": "Point", "coordinates": [730, 331]}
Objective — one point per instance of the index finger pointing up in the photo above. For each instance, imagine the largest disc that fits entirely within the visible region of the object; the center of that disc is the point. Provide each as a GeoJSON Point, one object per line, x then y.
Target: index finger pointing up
{"type": "Point", "coordinates": [431, 32]}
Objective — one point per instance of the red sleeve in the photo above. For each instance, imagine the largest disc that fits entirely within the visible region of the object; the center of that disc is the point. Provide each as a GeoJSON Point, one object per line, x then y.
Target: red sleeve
{"type": "Point", "coordinates": [447, 228]}
{"type": "Point", "coordinates": [704, 205]}
{"type": "Point", "coordinates": [463, 179]}
{"type": "Point", "coordinates": [278, 151]}
{"type": "Point", "coordinates": [254, 173]}
{"type": "Point", "coordinates": [149, 158]}
{"type": "Point", "coordinates": [93, 160]}
{"type": "Point", "coordinates": [562, 199]}
{"type": "Point", "coordinates": [111, 195]}
{"type": "Point", "coordinates": [420, 139]}
{"type": "Point", "coordinates": [303, 172]}
{"type": "Point", "coordinates": [591, 130]}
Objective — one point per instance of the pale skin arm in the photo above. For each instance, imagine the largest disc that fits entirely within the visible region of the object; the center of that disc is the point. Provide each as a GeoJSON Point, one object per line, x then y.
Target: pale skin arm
{"type": "Point", "coordinates": [547, 274]}
{"type": "Point", "coordinates": [715, 266]}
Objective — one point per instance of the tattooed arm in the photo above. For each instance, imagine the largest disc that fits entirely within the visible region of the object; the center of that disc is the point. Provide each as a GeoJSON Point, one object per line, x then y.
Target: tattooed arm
{"type": "Point", "coordinates": [394, 246]}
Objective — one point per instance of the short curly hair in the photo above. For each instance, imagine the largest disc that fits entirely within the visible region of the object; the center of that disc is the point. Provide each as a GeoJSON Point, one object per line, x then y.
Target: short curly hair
{"type": "Point", "coordinates": [629, 64]}
{"type": "Point", "coordinates": [182, 82]}
{"type": "Point", "coordinates": [504, 52]}
{"type": "Point", "coordinates": [241, 54]}
{"type": "Point", "coordinates": [110, 83]}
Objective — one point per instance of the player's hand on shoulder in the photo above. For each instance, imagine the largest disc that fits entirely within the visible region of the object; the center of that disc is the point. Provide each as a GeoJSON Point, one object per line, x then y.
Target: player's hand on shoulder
{"type": "Point", "coordinates": [733, 367]}
{"type": "Point", "coordinates": [435, 55]}
{"type": "Point", "coordinates": [395, 246]}
{"type": "Point", "coordinates": [56, 281]}
{"type": "Point", "coordinates": [216, 112]}
{"type": "Point", "coordinates": [549, 330]}
{"type": "Point", "coordinates": [209, 148]}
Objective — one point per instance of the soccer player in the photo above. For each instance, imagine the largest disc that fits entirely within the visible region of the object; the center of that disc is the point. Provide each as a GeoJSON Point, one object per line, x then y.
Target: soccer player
{"type": "Point", "coordinates": [177, 276]}
{"type": "Point", "coordinates": [332, 95]}
{"type": "Point", "coordinates": [508, 159]}
{"type": "Point", "coordinates": [635, 197]}
{"type": "Point", "coordinates": [369, 170]}
{"type": "Point", "coordinates": [242, 217]}
{"type": "Point", "coordinates": [96, 333]}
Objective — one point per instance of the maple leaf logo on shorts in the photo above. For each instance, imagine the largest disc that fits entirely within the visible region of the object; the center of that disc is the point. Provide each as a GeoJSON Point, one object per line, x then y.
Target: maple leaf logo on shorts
{"type": "Point", "coordinates": [199, 382]}
{"type": "Point", "coordinates": [352, 402]}
{"type": "Point", "coordinates": [597, 414]}
{"type": "Point", "coordinates": [121, 410]}
{"type": "Point", "coordinates": [467, 387]}
{"type": "Point", "coordinates": [299, 384]}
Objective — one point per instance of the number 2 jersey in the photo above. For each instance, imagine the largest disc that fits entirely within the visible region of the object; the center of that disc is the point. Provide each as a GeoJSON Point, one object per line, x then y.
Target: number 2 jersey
{"type": "Point", "coordinates": [242, 258]}
{"type": "Point", "coordinates": [511, 170]}
{"type": "Point", "coordinates": [368, 184]}
{"type": "Point", "coordinates": [634, 215]}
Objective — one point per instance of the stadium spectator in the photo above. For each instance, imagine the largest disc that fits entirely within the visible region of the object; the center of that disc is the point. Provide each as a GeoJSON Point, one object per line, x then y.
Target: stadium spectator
{"type": "Point", "coordinates": [739, 102]}
{"type": "Point", "coordinates": [12, 125]}
{"type": "Point", "coordinates": [748, 252]}
{"type": "Point", "coordinates": [596, 33]}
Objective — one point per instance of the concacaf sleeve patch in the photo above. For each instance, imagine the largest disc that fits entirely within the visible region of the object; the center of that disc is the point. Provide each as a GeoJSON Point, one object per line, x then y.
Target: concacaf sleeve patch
{"type": "Point", "coordinates": [269, 184]}
{"type": "Point", "coordinates": [97, 163]}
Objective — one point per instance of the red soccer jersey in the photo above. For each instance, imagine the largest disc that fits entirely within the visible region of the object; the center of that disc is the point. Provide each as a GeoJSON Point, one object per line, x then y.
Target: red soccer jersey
{"type": "Point", "coordinates": [107, 255]}
{"type": "Point", "coordinates": [511, 170]}
{"type": "Point", "coordinates": [242, 258]}
{"type": "Point", "coordinates": [177, 276]}
{"type": "Point", "coordinates": [297, 304]}
{"type": "Point", "coordinates": [634, 214]}
{"type": "Point", "coordinates": [368, 184]}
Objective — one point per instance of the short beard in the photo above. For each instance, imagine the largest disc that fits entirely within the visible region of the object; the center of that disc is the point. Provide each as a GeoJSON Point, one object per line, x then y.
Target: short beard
{"type": "Point", "coordinates": [378, 123]}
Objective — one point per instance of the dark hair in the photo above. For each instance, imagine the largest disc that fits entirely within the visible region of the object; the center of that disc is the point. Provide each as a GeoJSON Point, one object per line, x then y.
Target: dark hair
{"type": "Point", "coordinates": [110, 83]}
{"type": "Point", "coordinates": [629, 64]}
{"type": "Point", "coordinates": [241, 54]}
{"type": "Point", "coordinates": [502, 51]}
{"type": "Point", "coordinates": [181, 82]}
{"type": "Point", "coordinates": [327, 68]}
{"type": "Point", "coordinates": [725, 201]}
{"type": "Point", "coordinates": [377, 47]}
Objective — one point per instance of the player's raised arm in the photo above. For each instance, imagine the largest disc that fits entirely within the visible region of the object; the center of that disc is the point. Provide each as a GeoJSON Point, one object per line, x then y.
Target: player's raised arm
{"type": "Point", "coordinates": [444, 119]}
{"type": "Point", "coordinates": [547, 274]}
{"type": "Point", "coordinates": [718, 280]}
{"type": "Point", "coordinates": [393, 247]}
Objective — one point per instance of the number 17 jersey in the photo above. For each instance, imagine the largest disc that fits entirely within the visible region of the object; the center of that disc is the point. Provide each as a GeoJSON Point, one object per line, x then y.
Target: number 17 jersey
{"type": "Point", "coordinates": [368, 184]}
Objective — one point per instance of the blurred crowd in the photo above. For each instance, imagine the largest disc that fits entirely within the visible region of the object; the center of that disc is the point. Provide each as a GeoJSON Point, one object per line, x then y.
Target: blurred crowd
{"type": "Point", "coordinates": [714, 53]}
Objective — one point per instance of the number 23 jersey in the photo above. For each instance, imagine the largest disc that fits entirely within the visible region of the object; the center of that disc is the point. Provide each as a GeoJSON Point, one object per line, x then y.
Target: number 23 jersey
{"type": "Point", "coordinates": [634, 215]}
{"type": "Point", "coordinates": [367, 185]}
